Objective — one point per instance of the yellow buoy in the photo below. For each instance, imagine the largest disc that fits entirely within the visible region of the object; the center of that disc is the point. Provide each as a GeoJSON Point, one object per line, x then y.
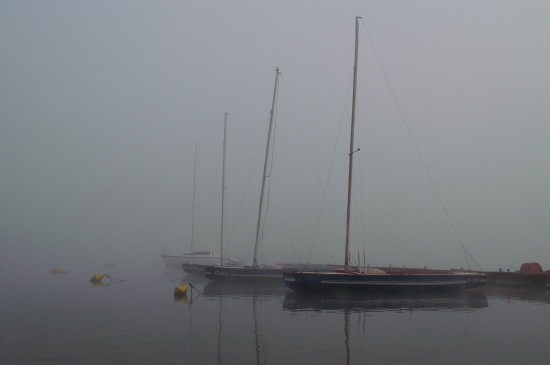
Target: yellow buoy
{"type": "Point", "coordinates": [181, 299]}
{"type": "Point", "coordinates": [98, 284]}
{"type": "Point", "coordinates": [97, 277]}
{"type": "Point", "coordinates": [181, 290]}
{"type": "Point", "coordinates": [57, 271]}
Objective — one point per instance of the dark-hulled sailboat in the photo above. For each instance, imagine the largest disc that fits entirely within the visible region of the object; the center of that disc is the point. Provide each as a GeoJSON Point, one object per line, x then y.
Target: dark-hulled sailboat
{"type": "Point", "coordinates": [368, 279]}
{"type": "Point", "coordinates": [256, 272]}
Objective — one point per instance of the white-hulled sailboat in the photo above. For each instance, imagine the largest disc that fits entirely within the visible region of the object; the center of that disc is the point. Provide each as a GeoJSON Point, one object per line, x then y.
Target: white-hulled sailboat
{"type": "Point", "coordinates": [193, 261]}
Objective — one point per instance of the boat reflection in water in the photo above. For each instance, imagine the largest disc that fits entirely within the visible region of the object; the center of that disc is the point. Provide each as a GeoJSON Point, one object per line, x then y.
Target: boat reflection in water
{"type": "Point", "coordinates": [525, 293]}
{"type": "Point", "coordinates": [243, 289]}
{"type": "Point", "coordinates": [452, 301]}
{"type": "Point", "coordinates": [361, 306]}
{"type": "Point", "coordinates": [241, 294]}
{"type": "Point", "coordinates": [259, 324]}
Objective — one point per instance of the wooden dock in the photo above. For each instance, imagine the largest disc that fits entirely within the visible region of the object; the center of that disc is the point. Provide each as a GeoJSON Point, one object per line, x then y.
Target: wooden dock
{"type": "Point", "coordinates": [518, 278]}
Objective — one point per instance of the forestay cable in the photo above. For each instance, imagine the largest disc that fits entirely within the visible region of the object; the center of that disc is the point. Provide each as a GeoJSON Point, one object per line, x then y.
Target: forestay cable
{"type": "Point", "coordinates": [466, 253]}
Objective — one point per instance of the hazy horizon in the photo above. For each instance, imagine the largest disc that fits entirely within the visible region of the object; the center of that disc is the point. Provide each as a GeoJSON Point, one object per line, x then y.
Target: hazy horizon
{"type": "Point", "coordinates": [102, 104]}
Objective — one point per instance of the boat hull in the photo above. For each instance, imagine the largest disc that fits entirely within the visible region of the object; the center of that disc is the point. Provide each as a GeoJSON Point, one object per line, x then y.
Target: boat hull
{"type": "Point", "coordinates": [193, 268]}
{"type": "Point", "coordinates": [339, 281]}
{"type": "Point", "coordinates": [217, 273]}
{"type": "Point", "coordinates": [196, 268]}
{"type": "Point", "coordinates": [176, 260]}
{"type": "Point", "coordinates": [263, 273]}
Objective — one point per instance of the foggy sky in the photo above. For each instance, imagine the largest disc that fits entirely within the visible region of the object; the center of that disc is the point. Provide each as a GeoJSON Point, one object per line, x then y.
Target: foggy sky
{"type": "Point", "coordinates": [102, 103]}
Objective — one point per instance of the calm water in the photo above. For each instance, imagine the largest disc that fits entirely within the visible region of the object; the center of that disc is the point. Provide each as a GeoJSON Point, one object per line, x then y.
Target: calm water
{"type": "Point", "coordinates": [64, 319]}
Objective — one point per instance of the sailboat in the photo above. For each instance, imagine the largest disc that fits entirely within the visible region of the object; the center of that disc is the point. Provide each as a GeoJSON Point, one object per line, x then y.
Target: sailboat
{"type": "Point", "coordinates": [368, 279]}
{"type": "Point", "coordinates": [193, 261]}
{"type": "Point", "coordinates": [257, 271]}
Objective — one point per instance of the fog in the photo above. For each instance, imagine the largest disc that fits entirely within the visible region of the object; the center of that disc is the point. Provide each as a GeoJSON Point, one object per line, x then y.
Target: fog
{"type": "Point", "coordinates": [102, 104]}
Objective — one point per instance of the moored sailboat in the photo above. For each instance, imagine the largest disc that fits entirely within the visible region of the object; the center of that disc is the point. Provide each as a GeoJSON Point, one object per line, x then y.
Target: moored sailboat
{"type": "Point", "coordinates": [256, 272]}
{"type": "Point", "coordinates": [368, 279]}
{"type": "Point", "coordinates": [193, 261]}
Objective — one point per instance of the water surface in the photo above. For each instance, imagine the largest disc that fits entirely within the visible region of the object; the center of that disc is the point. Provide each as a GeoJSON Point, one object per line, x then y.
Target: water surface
{"type": "Point", "coordinates": [65, 319]}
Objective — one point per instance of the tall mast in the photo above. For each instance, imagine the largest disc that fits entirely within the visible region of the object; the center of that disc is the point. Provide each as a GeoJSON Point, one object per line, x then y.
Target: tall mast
{"type": "Point", "coordinates": [193, 206]}
{"type": "Point", "coordinates": [223, 184]}
{"type": "Point", "coordinates": [277, 73]}
{"type": "Point", "coordinates": [351, 139]}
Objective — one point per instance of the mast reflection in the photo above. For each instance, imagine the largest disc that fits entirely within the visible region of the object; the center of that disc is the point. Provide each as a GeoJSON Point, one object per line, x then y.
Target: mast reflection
{"type": "Point", "coordinates": [462, 301]}
{"type": "Point", "coordinates": [363, 305]}
{"type": "Point", "coordinates": [252, 294]}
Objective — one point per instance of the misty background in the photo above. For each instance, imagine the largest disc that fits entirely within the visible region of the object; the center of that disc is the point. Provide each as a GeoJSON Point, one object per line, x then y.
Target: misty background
{"type": "Point", "coordinates": [102, 104]}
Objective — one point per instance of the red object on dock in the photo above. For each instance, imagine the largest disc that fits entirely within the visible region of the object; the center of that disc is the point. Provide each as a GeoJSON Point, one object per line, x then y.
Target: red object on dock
{"type": "Point", "coordinates": [531, 268]}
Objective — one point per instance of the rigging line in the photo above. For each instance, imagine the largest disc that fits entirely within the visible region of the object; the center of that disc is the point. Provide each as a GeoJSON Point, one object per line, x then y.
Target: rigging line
{"type": "Point", "coordinates": [356, 215]}
{"type": "Point", "coordinates": [263, 240]}
{"type": "Point", "coordinates": [265, 226]}
{"type": "Point", "coordinates": [193, 287]}
{"type": "Point", "coordinates": [274, 211]}
{"type": "Point", "coordinates": [415, 145]}
{"type": "Point", "coordinates": [247, 183]}
{"type": "Point", "coordinates": [252, 170]}
{"type": "Point", "coordinates": [264, 235]}
{"type": "Point", "coordinates": [246, 186]}
{"type": "Point", "coordinates": [270, 168]}
{"type": "Point", "coordinates": [264, 223]}
{"type": "Point", "coordinates": [323, 188]}
{"type": "Point", "coordinates": [357, 126]}
{"type": "Point", "coordinates": [110, 277]}
{"type": "Point", "coordinates": [472, 258]}
{"type": "Point", "coordinates": [465, 256]}
{"type": "Point", "coordinates": [360, 222]}
{"type": "Point", "coordinates": [330, 172]}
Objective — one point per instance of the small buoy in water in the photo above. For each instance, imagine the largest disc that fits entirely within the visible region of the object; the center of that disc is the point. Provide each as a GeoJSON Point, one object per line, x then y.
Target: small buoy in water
{"type": "Point", "coordinates": [98, 284]}
{"type": "Point", "coordinates": [97, 277]}
{"type": "Point", "coordinates": [181, 290]}
{"type": "Point", "coordinates": [181, 299]}
{"type": "Point", "coordinates": [109, 265]}
{"type": "Point", "coordinates": [57, 271]}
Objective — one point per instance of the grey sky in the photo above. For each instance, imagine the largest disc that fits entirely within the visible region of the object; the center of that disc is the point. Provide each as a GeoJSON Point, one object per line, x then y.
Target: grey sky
{"type": "Point", "coordinates": [101, 104]}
